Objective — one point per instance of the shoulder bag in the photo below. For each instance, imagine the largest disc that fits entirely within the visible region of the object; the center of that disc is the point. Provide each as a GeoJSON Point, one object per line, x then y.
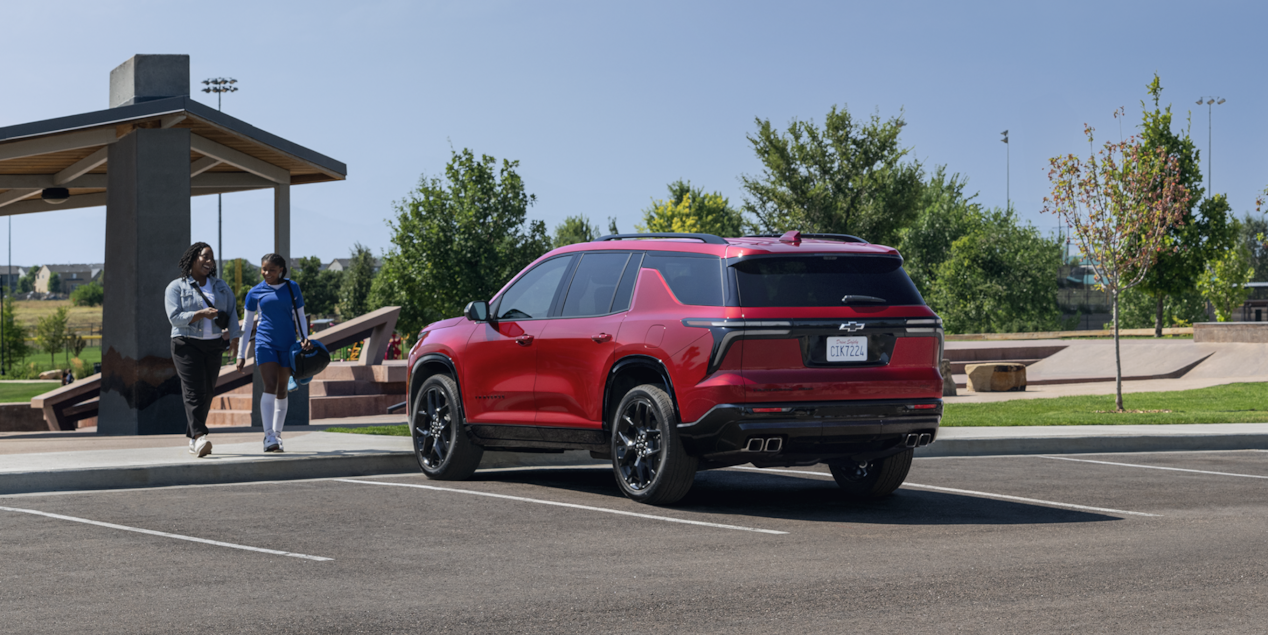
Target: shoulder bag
{"type": "Point", "coordinates": [305, 364]}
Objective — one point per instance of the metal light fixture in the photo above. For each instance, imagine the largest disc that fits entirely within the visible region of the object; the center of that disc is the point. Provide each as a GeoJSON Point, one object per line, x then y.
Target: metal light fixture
{"type": "Point", "coordinates": [1209, 100]}
{"type": "Point", "coordinates": [220, 86]}
{"type": "Point", "coordinates": [55, 195]}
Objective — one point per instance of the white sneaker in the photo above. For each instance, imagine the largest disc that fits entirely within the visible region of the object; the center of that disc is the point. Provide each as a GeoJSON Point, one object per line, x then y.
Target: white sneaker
{"type": "Point", "coordinates": [271, 444]}
{"type": "Point", "coordinates": [279, 444]}
{"type": "Point", "coordinates": [191, 446]}
{"type": "Point", "coordinates": [202, 445]}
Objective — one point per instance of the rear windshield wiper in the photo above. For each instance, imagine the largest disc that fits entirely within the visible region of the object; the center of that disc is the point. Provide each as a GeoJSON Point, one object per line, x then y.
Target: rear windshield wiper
{"type": "Point", "coordinates": [852, 299]}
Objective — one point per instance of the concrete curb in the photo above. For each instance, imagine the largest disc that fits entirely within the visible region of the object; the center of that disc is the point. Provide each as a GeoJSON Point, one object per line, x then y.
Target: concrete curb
{"type": "Point", "coordinates": [1091, 444]}
{"type": "Point", "coordinates": [271, 469]}
{"type": "Point", "coordinates": [310, 467]}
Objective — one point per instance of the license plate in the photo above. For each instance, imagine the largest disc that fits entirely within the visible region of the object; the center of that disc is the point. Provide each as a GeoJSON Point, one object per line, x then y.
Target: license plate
{"type": "Point", "coordinates": [847, 349]}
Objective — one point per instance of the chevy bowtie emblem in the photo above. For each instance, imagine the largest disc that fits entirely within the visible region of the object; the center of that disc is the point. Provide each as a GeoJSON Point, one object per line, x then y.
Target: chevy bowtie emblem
{"type": "Point", "coordinates": [850, 327]}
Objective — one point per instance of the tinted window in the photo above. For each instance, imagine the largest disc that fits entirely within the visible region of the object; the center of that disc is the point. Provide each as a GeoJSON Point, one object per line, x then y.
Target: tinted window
{"type": "Point", "coordinates": [625, 291]}
{"type": "Point", "coordinates": [594, 284]}
{"type": "Point", "coordinates": [694, 280]}
{"type": "Point", "coordinates": [824, 281]}
{"type": "Point", "coordinates": [531, 295]}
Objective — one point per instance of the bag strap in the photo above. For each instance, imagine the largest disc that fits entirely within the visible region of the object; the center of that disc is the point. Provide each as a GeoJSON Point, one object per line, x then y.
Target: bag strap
{"type": "Point", "coordinates": [299, 330]}
{"type": "Point", "coordinates": [194, 283]}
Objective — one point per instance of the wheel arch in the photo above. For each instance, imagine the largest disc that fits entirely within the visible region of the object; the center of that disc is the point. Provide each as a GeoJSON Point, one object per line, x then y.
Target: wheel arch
{"type": "Point", "coordinates": [426, 366]}
{"type": "Point", "coordinates": [631, 371]}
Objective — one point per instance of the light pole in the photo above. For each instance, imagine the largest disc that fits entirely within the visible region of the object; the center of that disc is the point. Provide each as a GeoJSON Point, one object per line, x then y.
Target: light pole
{"type": "Point", "coordinates": [220, 86]}
{"type": "Point", "coordinates": [1008, 151]}
{"type": "Point", "coordinates": [1208, 100]}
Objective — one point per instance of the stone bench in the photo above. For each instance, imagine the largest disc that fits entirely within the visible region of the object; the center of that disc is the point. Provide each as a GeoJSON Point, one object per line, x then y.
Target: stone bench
{"type": "Point", "coordinates": [996, 377]}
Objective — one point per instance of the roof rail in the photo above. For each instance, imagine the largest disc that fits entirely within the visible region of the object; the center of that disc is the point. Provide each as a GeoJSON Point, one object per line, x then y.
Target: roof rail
{"type": "Point", "coordinates": [704, 238]}
{"type": "Point", "coordinates": [845, 238]}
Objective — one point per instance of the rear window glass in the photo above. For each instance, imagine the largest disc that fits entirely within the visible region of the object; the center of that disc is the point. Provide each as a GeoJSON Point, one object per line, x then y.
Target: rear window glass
{"type": "Point", "coordinates": [695, 280]}
{"type": "Point", "coordinates": [824, 281]}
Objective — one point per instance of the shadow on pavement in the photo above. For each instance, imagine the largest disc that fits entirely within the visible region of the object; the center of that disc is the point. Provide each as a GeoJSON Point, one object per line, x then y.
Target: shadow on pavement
{"type": "Point", "coordinates": [765, 495]}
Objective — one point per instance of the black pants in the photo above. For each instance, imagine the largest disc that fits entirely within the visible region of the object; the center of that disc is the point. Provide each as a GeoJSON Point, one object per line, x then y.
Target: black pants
{"type": "Point", "coordinates": [198, 364]}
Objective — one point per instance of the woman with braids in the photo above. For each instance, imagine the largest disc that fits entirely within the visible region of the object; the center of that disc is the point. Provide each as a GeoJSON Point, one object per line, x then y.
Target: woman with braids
{"type": "Point", "coordinates": [201, 309]}
{"type": "Point", "coordinates": [280, 305]}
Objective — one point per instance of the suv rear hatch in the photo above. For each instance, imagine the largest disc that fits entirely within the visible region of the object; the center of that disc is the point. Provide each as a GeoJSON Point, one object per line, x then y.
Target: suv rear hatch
{"type": "Point", "coordinates": [832, 327]}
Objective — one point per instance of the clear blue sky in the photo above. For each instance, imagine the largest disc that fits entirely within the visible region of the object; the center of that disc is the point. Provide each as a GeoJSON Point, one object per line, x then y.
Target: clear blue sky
{"type": "Point", "coordinates": [603, 103]}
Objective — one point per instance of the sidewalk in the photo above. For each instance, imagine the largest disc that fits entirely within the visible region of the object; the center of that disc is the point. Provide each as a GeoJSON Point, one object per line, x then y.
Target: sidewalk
{"type": "Point", "coordinates": [69, 461]}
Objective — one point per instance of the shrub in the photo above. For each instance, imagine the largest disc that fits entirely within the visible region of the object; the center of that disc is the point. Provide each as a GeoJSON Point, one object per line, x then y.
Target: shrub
{"type": "Point", "coordinates": [90, 294]}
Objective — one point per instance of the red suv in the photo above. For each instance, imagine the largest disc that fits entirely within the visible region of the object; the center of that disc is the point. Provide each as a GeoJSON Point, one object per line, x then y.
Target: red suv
{"type": "Point", "coordinates": [669, 353]}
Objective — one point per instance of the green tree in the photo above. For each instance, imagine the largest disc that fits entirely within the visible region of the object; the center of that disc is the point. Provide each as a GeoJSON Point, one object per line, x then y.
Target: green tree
{"type": "Point", "coordinates": [15, 346]}
{"type": "Point", "coordinates": [846, 178]}
{"type": "Point", "coordinates": [574, 229]}
{"type": "Point", "coordinates": [945, 215]}
{"type": "Point", "coordinates": [999, 277]}
{"type": "Point", "coordinates": [458, 239]}
{"type": "Point", "coordinates": [690, 210]}
{"type": "Point", "coordinates": [1202, 234]}
{"type": "Point", "coordinates": [241, 275]}
{"type": "Point", "coordinates": [26, 283]}
{"type": "Point", "coordinates": [1254, 236]}
{"type": "Point", "coordinates": [54, 282]}
{"type": "Point", "coordinates": [50, 332]}
{"type": "Point", "coordinates": [1223, 284]}
{"type": "Point", "coordinates": [1138, 309]}
{"type": "Point", "coordinates": [1120, 204]}
{"type": "Point", "coordinates": [354, 289]}
{"type": "Point", "coordinates": [320, 288]}
{"type": "Point", "coordinates": [91, 294]}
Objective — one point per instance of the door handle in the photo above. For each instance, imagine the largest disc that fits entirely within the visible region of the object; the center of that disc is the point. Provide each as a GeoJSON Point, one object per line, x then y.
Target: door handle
{"type": "Point", "coordinates": [601, 338]}
{"type": "Point", "coordinates": [524, 340]}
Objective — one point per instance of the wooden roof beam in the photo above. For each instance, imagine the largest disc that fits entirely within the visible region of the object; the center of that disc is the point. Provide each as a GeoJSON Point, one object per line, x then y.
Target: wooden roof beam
{"type": "Point", "coordinates": [37, 205]}
{"type": "Point", "coordinates": [13, 196]}
{"type": "Point", "coordinates": [59, 143]}
{"type": "Point", "coordinates": [81, 167]}
{"type": "Point", "coordinates": [225, 154]}
{"type": "Point", "coordinates": [202, 165]}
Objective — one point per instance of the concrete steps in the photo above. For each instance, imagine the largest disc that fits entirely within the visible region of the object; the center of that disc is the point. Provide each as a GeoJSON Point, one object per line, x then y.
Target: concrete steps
{"type": "Point", "coordinates": [343, 390]}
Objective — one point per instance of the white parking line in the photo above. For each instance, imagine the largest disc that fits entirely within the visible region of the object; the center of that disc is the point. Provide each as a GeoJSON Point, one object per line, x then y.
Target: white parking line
{"type": "Point", "coordinates": [972, 493]}
{"type": "Point", "coordinates": [1153, 467]}
{"type": "Point", "coordinates": [571, 505]}
{"type": "Point", "coordinates": [165, 534]}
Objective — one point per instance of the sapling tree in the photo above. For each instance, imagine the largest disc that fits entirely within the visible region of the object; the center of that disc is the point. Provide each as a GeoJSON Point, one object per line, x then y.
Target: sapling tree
{"type": "Point", "coordinates": [1120, 203]}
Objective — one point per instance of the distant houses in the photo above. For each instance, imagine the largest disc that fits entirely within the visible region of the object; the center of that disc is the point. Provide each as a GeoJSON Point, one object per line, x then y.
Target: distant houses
{"type": "Point", "coordinates": [9, 276]}
{"type": "Point", "coordinates": [71, 276]}
{"type": "Point", "coordinates": [342, 264]}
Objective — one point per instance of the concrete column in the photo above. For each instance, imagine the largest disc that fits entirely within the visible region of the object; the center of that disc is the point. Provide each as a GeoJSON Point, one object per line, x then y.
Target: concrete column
{"type": "Point", "coordinates": [282, 221]}
{"type": "Point", "coordinates": [147, 231]}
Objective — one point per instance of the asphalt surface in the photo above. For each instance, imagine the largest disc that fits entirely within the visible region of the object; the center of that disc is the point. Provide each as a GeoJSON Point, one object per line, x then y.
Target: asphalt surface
{"type": "Point", "coordinates": [1089, 543]}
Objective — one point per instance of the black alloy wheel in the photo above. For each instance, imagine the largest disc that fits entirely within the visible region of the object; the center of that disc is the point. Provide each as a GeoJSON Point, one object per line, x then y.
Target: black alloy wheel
{"type": "Point", "coordinates": [441, 445]}
{"type": "Point", "coordinates": [648, 459]}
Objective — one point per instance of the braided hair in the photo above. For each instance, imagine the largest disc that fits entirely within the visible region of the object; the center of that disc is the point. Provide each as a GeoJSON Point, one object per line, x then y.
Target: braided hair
{"type": "Point", "coordinates": [277, 261]}
{"type": "Point", "coordinates": [186, 263]}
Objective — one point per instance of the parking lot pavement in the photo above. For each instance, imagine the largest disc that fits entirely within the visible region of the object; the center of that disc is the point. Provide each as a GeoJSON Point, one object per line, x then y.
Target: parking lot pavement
{"type": "Point", "coordinates": [1079, 543]}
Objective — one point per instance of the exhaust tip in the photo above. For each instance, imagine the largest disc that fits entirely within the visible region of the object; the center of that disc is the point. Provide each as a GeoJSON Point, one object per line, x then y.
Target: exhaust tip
{"type": "Point", "coordinates": [926, 439]}
{"type": "Point", "coordinates": [774, 444]}
{"type": "Point", "coordinates": [753, 445]}
{"type": "Point", "coordinates": [911, 440]}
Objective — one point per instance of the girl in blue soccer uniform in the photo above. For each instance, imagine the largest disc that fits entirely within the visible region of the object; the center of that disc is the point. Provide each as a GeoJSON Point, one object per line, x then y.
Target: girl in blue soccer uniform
{"type": "Point", "coordinates": [277, 300]}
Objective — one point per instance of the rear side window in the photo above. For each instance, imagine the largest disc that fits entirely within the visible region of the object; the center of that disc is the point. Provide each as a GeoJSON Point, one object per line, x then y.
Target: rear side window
{"type": "Point", "coordinates": [594, 284]}
{"type": "Point", "coordinates": [695, 280]}
{"type": "Point", "coordinates": [824, 281]}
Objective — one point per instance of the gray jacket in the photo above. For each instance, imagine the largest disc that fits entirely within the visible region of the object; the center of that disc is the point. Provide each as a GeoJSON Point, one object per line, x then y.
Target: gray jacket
{"type": "Point", "coordinates": [182, 300]}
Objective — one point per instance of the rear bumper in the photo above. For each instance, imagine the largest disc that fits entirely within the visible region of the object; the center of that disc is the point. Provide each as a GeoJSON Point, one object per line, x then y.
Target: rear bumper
{"type": "Point", "coordinates": [809, 432]}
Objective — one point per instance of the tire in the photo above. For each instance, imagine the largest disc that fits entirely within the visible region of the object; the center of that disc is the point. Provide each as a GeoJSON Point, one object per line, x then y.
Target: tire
{"type": "Point", "coordinates": [441, 446]}
{"type": "Point", "coordinates": [648, 459]}
{"type": "Point", "coordinates": [879, 480]}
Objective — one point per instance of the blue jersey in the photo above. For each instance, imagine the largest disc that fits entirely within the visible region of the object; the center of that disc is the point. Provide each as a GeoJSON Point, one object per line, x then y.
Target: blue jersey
{"type": "Point", "coordinates": [277, 319]}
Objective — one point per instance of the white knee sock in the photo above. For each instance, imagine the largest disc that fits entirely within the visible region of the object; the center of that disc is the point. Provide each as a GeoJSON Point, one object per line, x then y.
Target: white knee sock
{"type": "Point", "coordinates": [279, 417]}
{"type": "Point", "coordinates": [267, 406]}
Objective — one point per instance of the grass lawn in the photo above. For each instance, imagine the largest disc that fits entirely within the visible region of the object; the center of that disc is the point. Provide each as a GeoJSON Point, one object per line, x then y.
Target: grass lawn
{"type": "Point", "coordinates": [1231, 403]}
{"type": "Point", "coordinates": [82, 318]}
{"type": "Point", "coordinates": [391, 431]}
{"type": "Point", "coordinates": [90, 355]}
{"type": "Point", "coordinates": [17, 393]}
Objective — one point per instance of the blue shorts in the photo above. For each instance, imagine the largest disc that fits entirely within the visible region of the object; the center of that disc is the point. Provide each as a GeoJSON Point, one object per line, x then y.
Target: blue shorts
{"type": "Point", "coordinates": [264, 355]}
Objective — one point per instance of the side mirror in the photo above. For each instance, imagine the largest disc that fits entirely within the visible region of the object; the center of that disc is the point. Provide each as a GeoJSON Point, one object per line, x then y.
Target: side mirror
{"type": "Point", "coordinates": [477, 311]}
